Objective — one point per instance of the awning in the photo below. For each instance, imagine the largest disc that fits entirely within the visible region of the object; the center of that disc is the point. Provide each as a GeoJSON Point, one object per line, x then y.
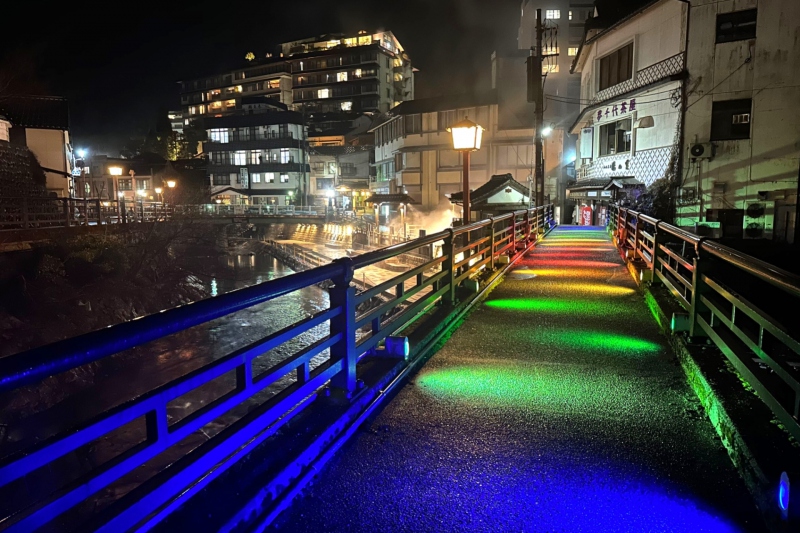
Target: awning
{"type": "Point", "coordinates": [390, 199]}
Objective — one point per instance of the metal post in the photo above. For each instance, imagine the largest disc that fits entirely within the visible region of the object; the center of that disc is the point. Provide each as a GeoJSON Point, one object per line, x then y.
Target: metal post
{"type": "Point", "coordinates": [528, 229]}
{"type": "Point", "coordinates": [343, 295]}
{"type": "Point", "coordinates": [448, 247]}
{"type": "Point", "coordinates": [122, 208]}
{"type": "Point", "coordinates": [699, 288]}
{"type": "Point", "coordinates": [99, 212]}
{"type": "Point", "coordinates": [465, 187]}
{"type": "Point", "coordinates": [491, 243]}
{"type": "Point", "coordinates": [539, 113]}
{"type": "Point", "coordinates": [654, 279]}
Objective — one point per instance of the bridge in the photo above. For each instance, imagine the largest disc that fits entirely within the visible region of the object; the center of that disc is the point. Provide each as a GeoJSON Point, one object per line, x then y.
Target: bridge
{"type": "Point", "coordinates": [519, 380]}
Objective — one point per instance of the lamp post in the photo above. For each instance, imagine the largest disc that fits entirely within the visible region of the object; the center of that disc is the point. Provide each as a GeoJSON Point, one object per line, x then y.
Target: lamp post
{"type": "Point", "coordinates": [117, 172]}
{"type": "Point", "coordinates": [141, 193]}
{"type": "Point", "coordinates": [158, 191]}
{"type": "Point", "coordinates": [121, 206]}
{"type": "Point", "coordinates": [466, 139]}
{"type": "Point", "coordinates": [171, 185]}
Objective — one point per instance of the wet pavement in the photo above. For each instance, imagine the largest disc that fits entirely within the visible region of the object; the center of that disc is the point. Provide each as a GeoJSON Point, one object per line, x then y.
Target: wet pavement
{"type": "Point", "coordinates": [556, 406]}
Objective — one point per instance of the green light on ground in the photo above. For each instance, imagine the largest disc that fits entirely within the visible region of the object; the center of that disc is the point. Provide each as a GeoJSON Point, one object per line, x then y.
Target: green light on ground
{"type": "Point", "coordinates": [592, 341]}
{"type": "Point", "coordinates": [516, 387]}
{"type": "Point", "coordinates": [542, 305]}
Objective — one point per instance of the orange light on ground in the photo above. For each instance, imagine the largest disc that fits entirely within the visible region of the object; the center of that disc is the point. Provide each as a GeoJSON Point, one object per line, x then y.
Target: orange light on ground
{"type": "Point", "coordinates": [576, 264]}
{"type": "Point", "coordinates": [565, 244]}
{"type": "Point", "coordinates": [563, 272]}
{"type": "Point", "coordinates": [586, 249]}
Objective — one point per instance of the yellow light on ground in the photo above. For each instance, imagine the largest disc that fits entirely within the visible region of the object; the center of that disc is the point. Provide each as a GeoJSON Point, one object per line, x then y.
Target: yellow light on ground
{"type": "Point", "coordinates": [466, 135]}
{"type": "Point", "coordinates": [590, 288]}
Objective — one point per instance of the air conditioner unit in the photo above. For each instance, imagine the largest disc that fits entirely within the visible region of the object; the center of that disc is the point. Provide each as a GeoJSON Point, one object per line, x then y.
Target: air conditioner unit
{"type": "Point", "coordinates": [701, 151]}
{"type": "Point", "coordinates": [759, 218]}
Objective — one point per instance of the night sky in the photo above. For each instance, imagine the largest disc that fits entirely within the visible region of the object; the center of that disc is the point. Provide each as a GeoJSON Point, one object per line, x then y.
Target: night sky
{"type": "Point", "coordinates": [120, 66]}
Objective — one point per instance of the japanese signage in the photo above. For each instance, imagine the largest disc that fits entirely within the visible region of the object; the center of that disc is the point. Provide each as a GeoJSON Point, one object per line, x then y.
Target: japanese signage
{"type": "Point", "coordinates": [616, 110]}
{"type": "Point", "coordinates": [586, 140]}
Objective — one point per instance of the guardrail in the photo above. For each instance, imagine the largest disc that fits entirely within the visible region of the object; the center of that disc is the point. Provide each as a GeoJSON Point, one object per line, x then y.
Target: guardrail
{"type": "Point", "coordinates": [244, 210]}
{"type": "Point", "coordinates": [730, 298]}
{"type": "Point", "coordinates": [45, 212]}
{"type": "Point", "coordinates": [29, 495]}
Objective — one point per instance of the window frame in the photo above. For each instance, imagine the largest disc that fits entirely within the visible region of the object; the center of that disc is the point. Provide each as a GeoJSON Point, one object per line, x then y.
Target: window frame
{"type": "Point", "coordinates": [613, 69]}
{"type": "Point", "coordinates": [725, 111]}
{"type": "Point", "coordinates": [731, 17]}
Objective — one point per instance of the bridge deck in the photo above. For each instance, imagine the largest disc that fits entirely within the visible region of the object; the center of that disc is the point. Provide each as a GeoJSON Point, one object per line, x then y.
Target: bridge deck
{"type": "Point", "coordinates": [556, 406]}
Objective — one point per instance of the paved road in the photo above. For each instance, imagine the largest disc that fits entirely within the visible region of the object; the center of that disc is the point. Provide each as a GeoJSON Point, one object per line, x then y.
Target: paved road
{"type": "Point", "coordinates": [556, 406]}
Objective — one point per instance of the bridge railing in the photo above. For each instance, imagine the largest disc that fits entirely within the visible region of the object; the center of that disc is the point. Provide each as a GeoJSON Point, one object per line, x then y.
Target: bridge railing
{"type": "Point", "coordinates": [45, 212]}
{"type": "Point", "coordinates": [224, 210]}
{"type": "Point", "coordinates": [731, 301]}
{"type": "Point", "coordinates": [261, 386]}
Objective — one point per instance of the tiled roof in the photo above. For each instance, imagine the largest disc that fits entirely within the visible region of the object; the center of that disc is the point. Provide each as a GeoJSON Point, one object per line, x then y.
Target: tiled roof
{"type": "Point", "coordinates": [491, 187]}
{"type": "Point", "coordinates": [445, 103]}
{"type": "Point", "coordinates": [42, 112]}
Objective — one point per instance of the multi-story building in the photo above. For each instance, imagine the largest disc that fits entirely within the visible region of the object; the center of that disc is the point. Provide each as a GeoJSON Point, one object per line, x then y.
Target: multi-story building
{"type": "Point", "coordinates": [564, 23]}
{"type": "Point", "coordinates": [629, 126]}
{"type": "Point", "coordinates": [111, 178]}
{"type": "Point", "coordinates": [414, 155]}
{"type": "Point", "coordinates": [740, 149]}
{"type": "Point", "coordinates": [340, 174]}
{"type": "Point", "coordinates": [224, 94]}
{"type": "Point", "coordinates": [366, 72]}
{"type": "Point", "coordinates": [258, 157]}
{"type": "Point", "coordinates": [176, 121]}
{"type": "Point", "coordinates": [698, 95]}
{"type": "Point", "coordinates": [41, 123]}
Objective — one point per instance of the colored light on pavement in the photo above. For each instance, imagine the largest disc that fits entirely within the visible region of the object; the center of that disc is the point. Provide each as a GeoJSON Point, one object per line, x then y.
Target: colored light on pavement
{"type": "Point", "coordinates": [569, 263]}
{"type": "Point", "coordinates": [590, 288]}
{"type": "Point", "coordinates": [783, 492]}
{"type": "Point", "coordinates": [563, 272]}
{"type": "Point", "coordinates": [550, 305]}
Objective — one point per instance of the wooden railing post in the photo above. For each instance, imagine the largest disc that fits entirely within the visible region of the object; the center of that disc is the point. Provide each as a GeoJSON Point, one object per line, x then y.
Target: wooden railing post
{"type": "Point", "coordinates": [528, 227]}
{"type": "Point", "coordinates": [654, 279]}
{"type": "Point", "coordinates": [491, 243]}
{"type": "Point", "coordinates": [343, 295]}
{"type": "Point", "coordinates": [448, 265]}
{"type": "Point", "coordinates": [702, 262]}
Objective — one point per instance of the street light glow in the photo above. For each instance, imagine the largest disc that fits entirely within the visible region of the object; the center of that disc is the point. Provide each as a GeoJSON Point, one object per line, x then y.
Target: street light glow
{"type": "Point", "coordinates": [329, 193]}
{"type": "Point", "coordinates": [547, 130]}
{"type": "Point", "coordinates": [466, 135]}
{"type": "Point", "coordinates": [81, 153]}
{"type": "Point", "coordinates": [115, 171]}
{"type": "Point", "coordinates": [171, 184]}
{"type": "Point", "coordinates": [158, 190]}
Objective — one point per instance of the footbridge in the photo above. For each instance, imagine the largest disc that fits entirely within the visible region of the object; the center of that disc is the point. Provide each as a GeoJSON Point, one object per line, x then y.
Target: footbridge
{"type": "Point", "coordinates": [528, 377]}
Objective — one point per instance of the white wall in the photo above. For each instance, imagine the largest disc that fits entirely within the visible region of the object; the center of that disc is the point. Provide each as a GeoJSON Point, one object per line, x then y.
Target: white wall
{"type": "Point", "coordinates": [769, 160]}
{"type": "Point", "coordinates": [50, 148]}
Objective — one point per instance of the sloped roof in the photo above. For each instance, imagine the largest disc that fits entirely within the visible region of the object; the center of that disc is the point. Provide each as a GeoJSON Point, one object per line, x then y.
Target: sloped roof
{"type": "Point", "coordinates": [445, 103]}
{"type": "Point", "coordinates": [497, 183]}
{"type": "Point", "coordinates": [41, 112]}
{"type": "Point", "coordinates": [390, 199]}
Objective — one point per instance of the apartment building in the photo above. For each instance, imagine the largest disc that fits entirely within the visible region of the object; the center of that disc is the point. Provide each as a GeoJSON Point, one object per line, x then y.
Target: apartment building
{"type": "Point", "coordinates": [258, 157]}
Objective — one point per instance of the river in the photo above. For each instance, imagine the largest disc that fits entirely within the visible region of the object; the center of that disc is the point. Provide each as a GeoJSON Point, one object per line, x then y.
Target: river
{"type": "Point", "coordinates": [31, 416]}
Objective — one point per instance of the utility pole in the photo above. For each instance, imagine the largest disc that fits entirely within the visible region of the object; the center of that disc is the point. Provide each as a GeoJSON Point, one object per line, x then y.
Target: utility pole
{"type": "Point", "coordinates": [538, 111]}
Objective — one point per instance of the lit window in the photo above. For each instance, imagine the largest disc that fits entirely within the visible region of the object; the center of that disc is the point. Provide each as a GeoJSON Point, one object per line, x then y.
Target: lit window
{"type": "Point", "coordinates": [285, 158]}
{"type": "Point", "coordinates": [284, 178]}
{"type": "Point", "coordinates": [331, 44]}
{"type": "Point", "coordinates": [367, 39]}
{"type": "Point", "coordinates": [256, 177]}
{"type": "Point", "coordinates": [347, 106]}
{"type": "Point", "coordinates": [301, 65]}
{"type": "Point", "coordinates": [569, 14]}
{"type": "Point", "coordinates": [341, 76]}
{"type": "Point", "coordinates": [229, 103]}
{"type": "Point", "coordinates": [269, 177]}
{"type": "Point", "coordinates": [552, 14]}
{"type": "Point", "coordinates": [218, 135]}
{"type": "Point", "coordinates": [323, 93]}
{"type": "Point", "coordinates": [357, 73]}
{"type": "Point", "coordinates": [572, 51]}
{"type": "Point", "coordinates": [240, 157]}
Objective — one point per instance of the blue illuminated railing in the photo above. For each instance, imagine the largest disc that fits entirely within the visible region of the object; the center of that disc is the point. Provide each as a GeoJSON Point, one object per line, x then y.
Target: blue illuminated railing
{"type": "Point", "coordinates": [294, 380]}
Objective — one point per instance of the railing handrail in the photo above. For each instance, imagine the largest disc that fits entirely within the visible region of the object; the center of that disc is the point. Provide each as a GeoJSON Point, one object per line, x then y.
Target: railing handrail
{"type": "Point", "coordinates": [33, 365]}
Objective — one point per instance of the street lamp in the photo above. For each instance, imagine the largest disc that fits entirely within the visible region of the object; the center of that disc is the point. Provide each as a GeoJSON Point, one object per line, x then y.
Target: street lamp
{"type": "Point", "coordinates": [466, 139]}
{"type": "Point", "coordinates": [141, 193]}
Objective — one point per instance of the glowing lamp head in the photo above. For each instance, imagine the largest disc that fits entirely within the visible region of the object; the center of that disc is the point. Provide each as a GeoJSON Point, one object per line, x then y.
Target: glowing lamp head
{"type": "Point", "coordinates": [115, 171]}
{"type": "Point", "coordinates": [158, 190]}
{"type": "Point", "coordinates": [141, 192]}
{"type": "Point", "coordinates": [120, 194]}
{"type": "Point", "coordinates": [171, 184]}
{"type": "Point", "coordinates": [546, 131]}
{"type": "Point", "coordinates": [291, 193]}
{"type": "Point", "coordinates": [329, 193]}
{"type": "Point", "coordinates": [466, 135]}
{"type": "Point", "coordinates": [81, 153]}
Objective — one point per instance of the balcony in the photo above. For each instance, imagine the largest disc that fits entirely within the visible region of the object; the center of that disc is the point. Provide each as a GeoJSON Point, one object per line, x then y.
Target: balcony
{"type": "Point", "coordinates": [237, 143]}
{"type": "Point", "coordinates": [672, 66]}
{"type": "Point", "coordinates": [280, 168]}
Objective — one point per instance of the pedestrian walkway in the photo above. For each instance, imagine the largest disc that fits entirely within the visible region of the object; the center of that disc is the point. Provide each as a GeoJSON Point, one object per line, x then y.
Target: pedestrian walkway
{"type": "Point", "coordinates": [556, 406]}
